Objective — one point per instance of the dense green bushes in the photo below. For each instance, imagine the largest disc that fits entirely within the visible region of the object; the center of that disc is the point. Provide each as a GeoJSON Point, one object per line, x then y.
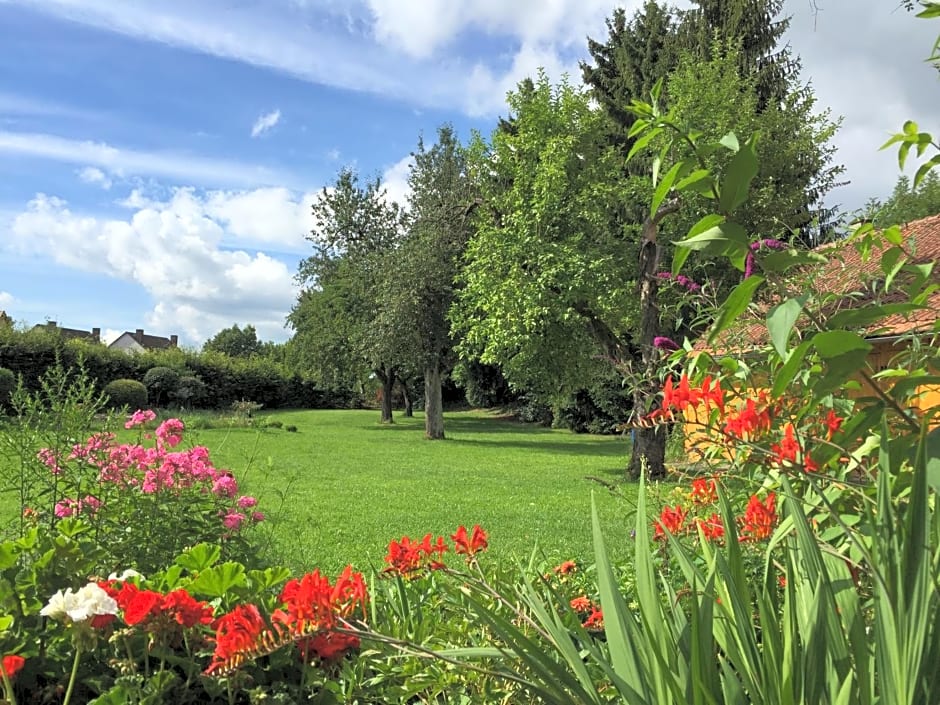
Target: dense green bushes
{"type": "Point", "coordinates": [176, 377]}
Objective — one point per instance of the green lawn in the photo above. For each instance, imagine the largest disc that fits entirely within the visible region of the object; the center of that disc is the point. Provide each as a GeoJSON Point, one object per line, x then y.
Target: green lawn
{"type": "Point", "coordinates": [343, 485]}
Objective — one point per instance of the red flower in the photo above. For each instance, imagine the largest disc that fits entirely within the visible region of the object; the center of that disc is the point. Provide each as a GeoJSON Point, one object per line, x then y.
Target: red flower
{"type": "Point", "coordinates": [312, 603]}
{"type": "Point", "coordinates": [185, 609]}
{"type": "Point", "coordinates": [581, 604]}
{"type": "Point", "coordinates": [704, 491]}
{"type": "Point", "coordinates": [670, 519]}
{"type": "Point", "coordinates": [327, 646]}
{"type": "Point", "coordinates": [759, 518]}
{"type": "Point", "coordinates": [833, 423]}
{"type": "Point", "coordinates": [595, 620]}
{"type": "Point", "coordinates": [565, 568]}
{"type": "Point", "coordinates": [712, 394]}
{"type": "Point", "coordinates": [138, 605]}
{"type": "Point", "coordinates": [748, 421]}
{"type": "Point", "coordinates": [238, 634]}
{"type": "Point", "coordinates": [469, 546]}
{"type": "Point", "coordinates": [712, 527]}
{"type": "Point", "coordinates": [407, 557]}
{"type": "Point", "coordinates": [12, 663]}
{"type": "Point", "coordinates": [788, 448]}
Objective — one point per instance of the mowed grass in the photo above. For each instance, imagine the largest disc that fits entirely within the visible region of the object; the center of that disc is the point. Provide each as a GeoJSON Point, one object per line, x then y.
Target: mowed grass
{"type": "Point", "coordinates": [342, 486]}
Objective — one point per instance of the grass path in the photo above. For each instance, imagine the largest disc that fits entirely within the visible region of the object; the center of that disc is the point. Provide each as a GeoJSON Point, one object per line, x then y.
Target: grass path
{"type": "Point", "coordinates": [343, 485]}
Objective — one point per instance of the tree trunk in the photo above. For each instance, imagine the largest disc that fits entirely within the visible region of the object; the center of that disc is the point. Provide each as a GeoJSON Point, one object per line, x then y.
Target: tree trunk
{"type": "Point", "coordinates": [405, 385]}
{"type": "Point", "coordinates": [433, 405]}
{"type": "Point", "coordinates": [649, 445]}
{"type": "Point", "coordinates": [387, 377]}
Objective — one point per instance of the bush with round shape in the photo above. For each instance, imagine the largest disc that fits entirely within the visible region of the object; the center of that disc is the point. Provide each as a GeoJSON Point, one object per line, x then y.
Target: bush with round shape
{"type": "Point", "coordinates": [7, 385]}
{"type": "Point", "coordinates": [126, 393]}
{"type": "Point", "coordinates": [161, 384]}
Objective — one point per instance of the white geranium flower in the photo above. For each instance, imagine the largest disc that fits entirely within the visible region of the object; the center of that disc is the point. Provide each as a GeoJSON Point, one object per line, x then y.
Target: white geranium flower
{"type": "Point", "coordinates": [80, 605]}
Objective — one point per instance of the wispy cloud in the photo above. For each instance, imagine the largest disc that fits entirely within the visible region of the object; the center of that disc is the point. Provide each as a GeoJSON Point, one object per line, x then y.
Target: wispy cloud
{"type": "Point", "coordinates": [6, 298]}
{"type": "Point", "coordinates": [93, 175]}
{"type": "Point", "coordinates": [265, 122]}
{"type": "Point", "coordinates": [185, 167]}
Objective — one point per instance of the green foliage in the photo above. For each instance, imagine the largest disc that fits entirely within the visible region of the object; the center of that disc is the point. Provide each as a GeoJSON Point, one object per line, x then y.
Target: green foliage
{"type": "Point", "coordinates": [235, 342]}
{"type": "Point", "coordinates": [7, 385]}
{"type": "Point", "coordinates": [907, 202]}
{"type": "Point", "coordinates": [126, 393]}
{"type": "Point", "coordinates": [190, 391]}
{"type": "Point", "coordinates": [161, 384]}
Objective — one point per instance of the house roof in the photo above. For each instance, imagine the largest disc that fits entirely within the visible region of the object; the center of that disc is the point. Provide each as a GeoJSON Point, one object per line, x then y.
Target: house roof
{"type": "Point", "coordinates": [69, 333]}
{"type": "Point", "coordinates": [145, 340]}
{"type": "Point", "coordinates": [848, 275]}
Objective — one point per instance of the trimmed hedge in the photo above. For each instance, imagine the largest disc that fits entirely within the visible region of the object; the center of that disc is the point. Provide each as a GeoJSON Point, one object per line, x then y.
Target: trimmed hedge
{"type": "Point", "coordinates": [126, 392]}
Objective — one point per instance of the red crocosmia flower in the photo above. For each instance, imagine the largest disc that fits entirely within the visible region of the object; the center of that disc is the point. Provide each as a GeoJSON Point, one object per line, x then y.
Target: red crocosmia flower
{"type": "Point", "coordinates": [595, 620]}
{"type": "Point", "coordinates": [307, 602]}
{"type": "Point", "coordinates": [712, 394]}
{"type": "Point", "coordinates": [565, 568]}
{"type": "Point", "coordinates": [581, 604]}
{"type": "Point", "coordinates": [712, 527]}
{"type": "Point", "coordinates": [704, 491]}
{"type": "Point", "coordinates": [327, 646]}
{"type": "Point", "coordinates": [671, 519]}
{"type": "Point", "coordinates": [788, 448]}
{"type": "Point", "coordinates": [404, 557]}
{"type": "Point", "coordinates": [470, 546]}
{"type": "Point", "coordinates": [12, 663]}
{"type": "Point", "coordinates": [759, 518]}
{"type": "Point", "coordinates": [750, 420]}
{"type": "Point", "coordinates": [237, 635]}
{"type": "Point", "coordinates": [833, 423]}
{"type": "Point", "coordinates": [185, 609]}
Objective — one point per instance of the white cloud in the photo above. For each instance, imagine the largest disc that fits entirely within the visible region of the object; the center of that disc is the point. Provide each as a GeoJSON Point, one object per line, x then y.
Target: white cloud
{"type": "Point", "coordinates": [176, 252]}
{"type": "Point", "coordinates": [395, 180]}
{"type": "Point", "coordinates": [334, 44]}
{"type": "Point", "coordinates": [94, 175]}
{"type": "Point", "coordinates": [265, 122]}
{"type": "Point", "coordinates": [119, 161]}
{"type": "Point", "coordinates": [6, 298]}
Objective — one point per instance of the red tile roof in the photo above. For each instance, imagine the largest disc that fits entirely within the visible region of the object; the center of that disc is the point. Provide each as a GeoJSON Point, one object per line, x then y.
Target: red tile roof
{"type": "Point", "coordinates": [848, 274]}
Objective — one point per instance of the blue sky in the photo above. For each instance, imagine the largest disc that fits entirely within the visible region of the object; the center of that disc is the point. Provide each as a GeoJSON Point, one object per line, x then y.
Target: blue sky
{"type": "Point", "coordinates": [158, 157]}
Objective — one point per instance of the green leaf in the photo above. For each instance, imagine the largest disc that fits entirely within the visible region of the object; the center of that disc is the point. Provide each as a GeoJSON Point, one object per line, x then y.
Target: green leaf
{"type": "Point", "coordinates": [199, 557]}
{"type": "Point", "coordinates": [738, 300]}
{"type": "Point", "coordinates": [865, 317]}
{"type": "Point", "coordinates": [933, 459]}
{"type": "Point", "coordinates": [217, 581]}
{"type": "Point", "coordinates": [844, 352]}
{"type": "Point", "coordinates": [8, 554]}
{"type": "Point", "coordinates": [730, 141]}
{"type": "Point", "coordinates": [705, 223]}
{"type": "Point", "coordinates": [643, 141]}
{"type": "Point", "coordinates": [739, 174]}
{"type": "Point", "coordinates": [662, 190]}
{"type": "Point", "coordinates": [693, 178]}
{"type": "Point", "coordinates": [925, 168]}
{"type": "Point", "coordinates": [788, 372]}
{"type": "Point", "coordinates": [932, 10]}
{"type": "Point", "coordinates": [780, 321]}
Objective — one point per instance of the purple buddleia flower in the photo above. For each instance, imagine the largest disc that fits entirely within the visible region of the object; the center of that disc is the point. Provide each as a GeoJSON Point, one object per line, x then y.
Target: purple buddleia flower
{"type": "Point", "coordinates": [664, 343]}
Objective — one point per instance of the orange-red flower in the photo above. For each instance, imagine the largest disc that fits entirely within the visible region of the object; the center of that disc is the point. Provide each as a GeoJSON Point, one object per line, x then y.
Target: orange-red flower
{"type": "Point", "coordinates": [581, 604]}
{"type": "Point", "coordinates": [788, 448]}
{"type": "Point", "coordinates": [185, 609]}
{"type": "Point", "coordinates": [407, 557]}
{"type": "Point", "coordinates": [327, 646]}
{"type": "Point", "coordinates": [595, 620]}
{"type": "Point", "coordinates": [238, 634]}
{"type": "Point", "coordinates": [712, 527]}
{"type": "Point", "coordinates": [759, 518]}
{"type": "Point", "coordinates": [671, 519]}
{"type": "Point", "coordinates": [472, 544]}
{"type": "Point", "coordinates": [833, 423]}
{"type": "Point", "coordinates": [749, 420]}
{"type": "Point", "coordinates": [565, 568]}
{"type": "Point", "coordinates": [12, 663]}
{"type": "Point", "coordinates": [704, 491]}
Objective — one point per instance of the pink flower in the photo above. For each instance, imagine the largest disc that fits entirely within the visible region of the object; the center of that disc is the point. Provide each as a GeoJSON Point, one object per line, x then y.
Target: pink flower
{"type": "Point", "coordinates": [66, 508]}
{"type": "Point", "coordinates": [663, 343]}
{"type": "Point", "coordinates": [49, 458]}
{"type": "Point", "coordinates": [225, 486]}
{"type": "Point", "coordinates": [233, 520]}
{"type": "Point", "coordinates": [247, 501]}
{"type": "Point", "coordinates": [139, 417]}
{"type": "Point", "coordinates": [257, 516]}
{"type": "Point", "coordinates": [171, 432]}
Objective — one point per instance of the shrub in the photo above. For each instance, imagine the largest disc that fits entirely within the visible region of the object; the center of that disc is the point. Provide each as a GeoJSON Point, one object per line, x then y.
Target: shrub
{"type": "Point", "coordinates": [290, 428]}
{"type": "Point", "coordinates": [190, 391]}
{"type": "Point", "coordinates": [273, 423]}
{"type": "Point", "coordinates": [161, 384]}
{"type": "Point", "coordinates": [7, 385]}
{"type": "Point", "coordinates": [127, 393]}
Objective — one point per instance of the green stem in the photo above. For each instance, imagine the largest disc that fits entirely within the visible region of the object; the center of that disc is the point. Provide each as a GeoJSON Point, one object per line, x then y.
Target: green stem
{"type": "Point", "coordinates": [72, 677]}
{"type": "Point", "coordinates": [8, 694]}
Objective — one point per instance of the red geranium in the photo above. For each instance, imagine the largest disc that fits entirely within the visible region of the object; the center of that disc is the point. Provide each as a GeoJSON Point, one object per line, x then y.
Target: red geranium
{"type": "Point", "coordinates": [12, 663]}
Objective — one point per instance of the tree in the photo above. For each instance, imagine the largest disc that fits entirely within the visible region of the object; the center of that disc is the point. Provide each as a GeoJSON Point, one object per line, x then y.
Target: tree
{"type": "Point", "coordinates": [439, 225]}
{"type": "Point", "coordinates": [235, 342]}
{"type": "Point", "coordinates": [906, 202]}
{"type": "Point", "coordinates": [356, 233]}
{"type": "Point", "coordinates": [546, 291]}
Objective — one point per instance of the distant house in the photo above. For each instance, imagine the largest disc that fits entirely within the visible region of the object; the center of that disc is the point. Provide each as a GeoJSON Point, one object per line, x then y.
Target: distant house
{"type": "Point", "coordinates": [138, 342]}
{"type": "Point", "coordinates": [93, 335]}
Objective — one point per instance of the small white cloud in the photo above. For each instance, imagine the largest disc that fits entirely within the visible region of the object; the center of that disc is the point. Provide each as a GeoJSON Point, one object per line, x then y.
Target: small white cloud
{"type": "Point", "coordinates": [6, 298]}
{"type": "Point", "coordinates": [109, 335]}
{"type": "Point", "coordinates": [395, 180]}
{"type": "Point", "coordinates": [265, 122]}
{"type": "Point", "coordinates": [94, 175]}
{"type": "Point", "coordinates": [333, 155]}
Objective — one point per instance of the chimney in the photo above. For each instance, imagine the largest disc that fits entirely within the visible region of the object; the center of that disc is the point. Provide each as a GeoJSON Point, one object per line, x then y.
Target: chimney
{"type": "Point", "coordinates": [139, 335]}
{"type": "Point", "coordinates": [173, 341]}
{"type": "Point", "coordinates": [96, 334]}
